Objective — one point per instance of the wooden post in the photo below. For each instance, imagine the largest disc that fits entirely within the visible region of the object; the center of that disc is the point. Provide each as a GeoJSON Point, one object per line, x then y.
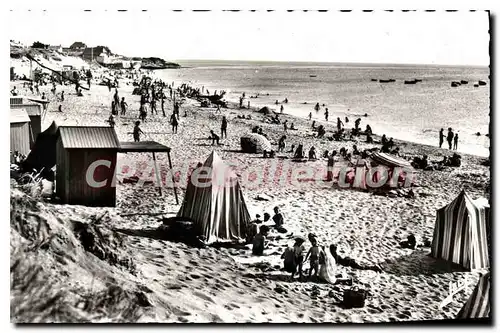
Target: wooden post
{"type": "Point", "coordinates": [158, 179]}
{"type": "Point", "coordinates": [173, 179]}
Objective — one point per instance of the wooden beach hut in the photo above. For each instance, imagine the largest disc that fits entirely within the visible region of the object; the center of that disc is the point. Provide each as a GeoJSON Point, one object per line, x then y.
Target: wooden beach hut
{"type": "Point", "coordinates": [20, 131]}
{"type": "Point", "coordinates": [34, 112]}
{"type": "Point", "coordinates": [86, 162]}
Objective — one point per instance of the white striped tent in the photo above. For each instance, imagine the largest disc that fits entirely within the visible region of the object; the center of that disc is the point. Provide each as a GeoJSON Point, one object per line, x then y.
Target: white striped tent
{"type": "Point", "coordinates": [214, 201]}
{"type": "Point", "coordinates": [478, 304]}
{"type": "Point", "coordinates": [462, 232]}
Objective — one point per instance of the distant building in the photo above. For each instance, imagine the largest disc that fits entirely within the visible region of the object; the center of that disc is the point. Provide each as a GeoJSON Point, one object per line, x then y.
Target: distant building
{"type": "Point", "coordinates": [57, 48]}
{"type": "Point", "coordinates": [99, 53]}
{"type": "Point", "coordinates": [78, 46]}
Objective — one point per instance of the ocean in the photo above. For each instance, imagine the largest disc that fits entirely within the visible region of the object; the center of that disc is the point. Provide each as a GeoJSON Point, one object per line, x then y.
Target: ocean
{"type": "Point", "coordinates": [412, 112]}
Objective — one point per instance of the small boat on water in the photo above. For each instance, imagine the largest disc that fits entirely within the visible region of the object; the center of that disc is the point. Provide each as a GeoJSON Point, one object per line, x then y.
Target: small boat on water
{"type": "Point", "coordinates": [455, 83]}
{"type": "Point", "coordinates": [463, 82]}
{"type": "Point", "coordinates": [481, 83]}
{"type": "Point", "coordinates": [312, 75]}
{"type": "Point", "coordinates": [386, 81]}
{"type": "Point", "coordinates": [411, 81]}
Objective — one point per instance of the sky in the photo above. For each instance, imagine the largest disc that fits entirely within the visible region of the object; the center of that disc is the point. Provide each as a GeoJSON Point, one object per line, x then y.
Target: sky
{"type": "Point", "coordinates": [447, 38]}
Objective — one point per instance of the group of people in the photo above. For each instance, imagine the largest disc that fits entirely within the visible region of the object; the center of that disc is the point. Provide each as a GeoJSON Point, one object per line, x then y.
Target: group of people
{"type": "Point", "coordinates": [451, 138]}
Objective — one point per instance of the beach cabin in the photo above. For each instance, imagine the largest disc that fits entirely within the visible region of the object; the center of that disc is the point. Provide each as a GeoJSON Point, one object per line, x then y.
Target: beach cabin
{"type": "Point", "coordinates": [86, 162]}
{"type": "Point", "coordinates": [34, 111]}
{"type": "Point", "coordinates": [20, 131]}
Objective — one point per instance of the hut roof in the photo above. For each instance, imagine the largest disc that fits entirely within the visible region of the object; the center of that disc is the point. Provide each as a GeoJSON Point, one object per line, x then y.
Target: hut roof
{"type": "Point", "coordinates": [32, 109]}
{"type": "Point", "coordinates": [142, 147]}
{"type": "Point", "coordinates": [19, 116]}
{"type": "Point", "coordinates": [88, 137]}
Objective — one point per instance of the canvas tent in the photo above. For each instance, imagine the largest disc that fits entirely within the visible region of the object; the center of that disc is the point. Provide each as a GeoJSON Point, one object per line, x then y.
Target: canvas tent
{"type": "Point", "coordinates": [478, 304]}
{"type": "Point", "coordinates": [462, 232]}
{"type": "Point", "coordinates": [214, 201]}
{"type": "Point", "coordinates": [254, 143]}
{"type": "Point", "coordinates": [43, 153]}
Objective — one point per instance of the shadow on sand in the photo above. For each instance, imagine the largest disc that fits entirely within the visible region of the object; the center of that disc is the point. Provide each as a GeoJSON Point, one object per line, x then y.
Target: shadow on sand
{"type": "Point", "coordinates": [419, 262]}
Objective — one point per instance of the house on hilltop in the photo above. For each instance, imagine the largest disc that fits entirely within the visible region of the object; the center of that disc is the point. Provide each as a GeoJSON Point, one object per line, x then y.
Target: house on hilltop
{"type": "Point", "coordinates": [78, 46]}
{"type": "Point", "coordinates": [99, 53]}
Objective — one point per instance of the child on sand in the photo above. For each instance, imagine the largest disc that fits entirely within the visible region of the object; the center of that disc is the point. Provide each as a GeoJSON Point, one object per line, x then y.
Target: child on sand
{"type": "Point", "coordinates": [123, 105]}
{"type": "Point", "coordinates": [298, 249]}
{"type": "Point", "coordinates": [314, 253]}
{"type": "Point", "coordinates": [174, 122]}
{"type": "Point", "coordinates": [215, 138]}
{"type": "Point", "coordinates": [137, 132]}
{"type": "Point", "coordinates": [259, 241]}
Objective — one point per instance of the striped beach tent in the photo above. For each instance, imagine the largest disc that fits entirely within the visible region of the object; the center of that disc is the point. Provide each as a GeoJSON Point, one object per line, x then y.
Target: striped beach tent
{"type": "Point", "coordinates": [462, 232]}
{"type": "Point", "coordinates": [214, 201]}
{"type": "Point", "coordinates": [478, 304]}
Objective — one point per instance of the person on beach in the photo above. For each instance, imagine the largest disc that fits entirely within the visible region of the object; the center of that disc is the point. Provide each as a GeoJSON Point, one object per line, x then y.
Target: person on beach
{"type": "Point", "coordinates": [60, 108]}
{"type": "Point", "coordinates": [282, 108]}
{"type": "Point", "coordinates": [384, 140]}
{"type": "Point", "coordinates": [455, 142]}
{"type": "Point", "coordinates": [223, 127]}
{"type": "Point", "coordinates": [312, 153]}
{"type": "Point", "coordinates": [163, 105]}
{"type": "Point", "coordinates": [310, 115]}
{"type": "Point", "coordinates": [218, 108]}
{"type": "Point", "coordinates": [62, 96]}
{"type": "Point", "coordinates": [289, 264]}
{"type": "Point", "coordinates": [14, 91]}
{"type": "Point", "coordinates": [248, 107]}
{"type": "Point", "coordinates": [215, 138]}
{"type": "Point", "coordinates": [259, 241]}
{"type": "Point", "coordinates": [142, 112]}
{"type": "Point", "coordinates": [174, 122]}
{"type": "Point", "coordinates": [339, 124]}
{"type": "Point", "coordinates": [281, 143]}
{"type": "Point", "coordinates": [313, 254]}
{"type": "Point", "coordinates": [111, 120]}
{"type": "Point", "coordinates": [368, 130]}
{"type": "Point", "coordinates": [313, 125]}
{"type": "Point", "coordinates": [317, 107]}
{"type": "Point", "coordinates": [330, 166]}
{"type": "Point", "coordinates": [356, 125]}
{"type": "Point", "coordinates": [113, 107]}
{"type": "Point", "coordinates": [349, 262]}
{"type": "Point", "coordinates": [285, 126]}
{"type": "Point", "coordinates": [153, 106]}
{"type": "Point", "coordinates": [450, 137]}
{"type": "Point", "coordinates": [123, 106]}
{"type": "Point", "coordinates": [327, 266]}
{"type": "Point", "coordinates": [276, 102]}
{"type": "Point", "coordinates": [286, 100]}
{"type": "Point", "coordinates": [346, 120]}
{"type": "Point", "coordinates": [441, 137]}
{"type": "Point", "coordinates": [137, 132]}
{"type": "Point", "coordinates": [298, 249]}
{"type": "Point", "coordinates": [278, 218]}
{"type": "Point", "coordinates": [326, 114]}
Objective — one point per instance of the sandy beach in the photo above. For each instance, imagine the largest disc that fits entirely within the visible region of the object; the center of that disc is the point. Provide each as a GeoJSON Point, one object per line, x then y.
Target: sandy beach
{"type": "Point", "coordinates": [183, 284]}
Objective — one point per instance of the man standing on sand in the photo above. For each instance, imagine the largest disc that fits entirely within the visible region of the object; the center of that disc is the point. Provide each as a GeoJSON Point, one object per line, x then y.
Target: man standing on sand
{"type": "Point", "coordinates": [326, 114]}
{"type": "Point", "coordinates": [123, 106]}
{"type": "Point", "coordinates": [223, 127]}
{"type": "Point", "coordinates": [174, 122]}
{"type": "Point", "coordinates": [282, 108]}
{"type": "Point", "coordinates": [455, 142]}
{"type": "Point", "coordinates": [310, 115]}
{"type": "Point", "coordinates": [339, 124]}
{"type": "Point", "coordinates": [441, 137]}
{"type": "Point", "coordinates": [163, 105]}
{"type": "Point", "coordinates": [449, 138]}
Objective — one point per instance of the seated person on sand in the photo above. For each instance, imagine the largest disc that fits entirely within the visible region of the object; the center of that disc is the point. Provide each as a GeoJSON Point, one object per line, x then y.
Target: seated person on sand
{"type": "Point", "coordinates": [369, 138]}
{"type": "Point", "coordinates": [253, 230]}
{"type": "Point", "coordinates": [292, 149]}
{"type": "Point", "coordinates": [268, 154]}
{"type": "Point", "coordinates": [349, 262]}
{"type": "Point", "coordinates": [410, 243]}
{"type": "Point", "coordinates": [368, 130]}
{"type": "Point", "coordinates": [355, 150]}
{"type": "Point", "coordinates": [299, 153]}
{"type": "Point", "coordinates": [312, 153]}
{"type": "Point", "coordinates": [214, 137]}
{"type": "Point", "coordinates": [321, 131]}
{"type": "Point", "coordinates": [278, 218]}
{"type": "Point", "coordinates": [255, 129]}
{"type": "Point", "coordinates": [313, 124]}
{"type": "Point", "coordinates": [259, 241]}
{"type": "Point", "coordinates": [257, 219]}
{"type": "Point", "coordinates": [292, 127]}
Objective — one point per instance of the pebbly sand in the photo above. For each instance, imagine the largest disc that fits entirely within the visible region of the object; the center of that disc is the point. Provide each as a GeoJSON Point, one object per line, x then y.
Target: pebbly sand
{"type": "Point", "coordinates": [230, 285]}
